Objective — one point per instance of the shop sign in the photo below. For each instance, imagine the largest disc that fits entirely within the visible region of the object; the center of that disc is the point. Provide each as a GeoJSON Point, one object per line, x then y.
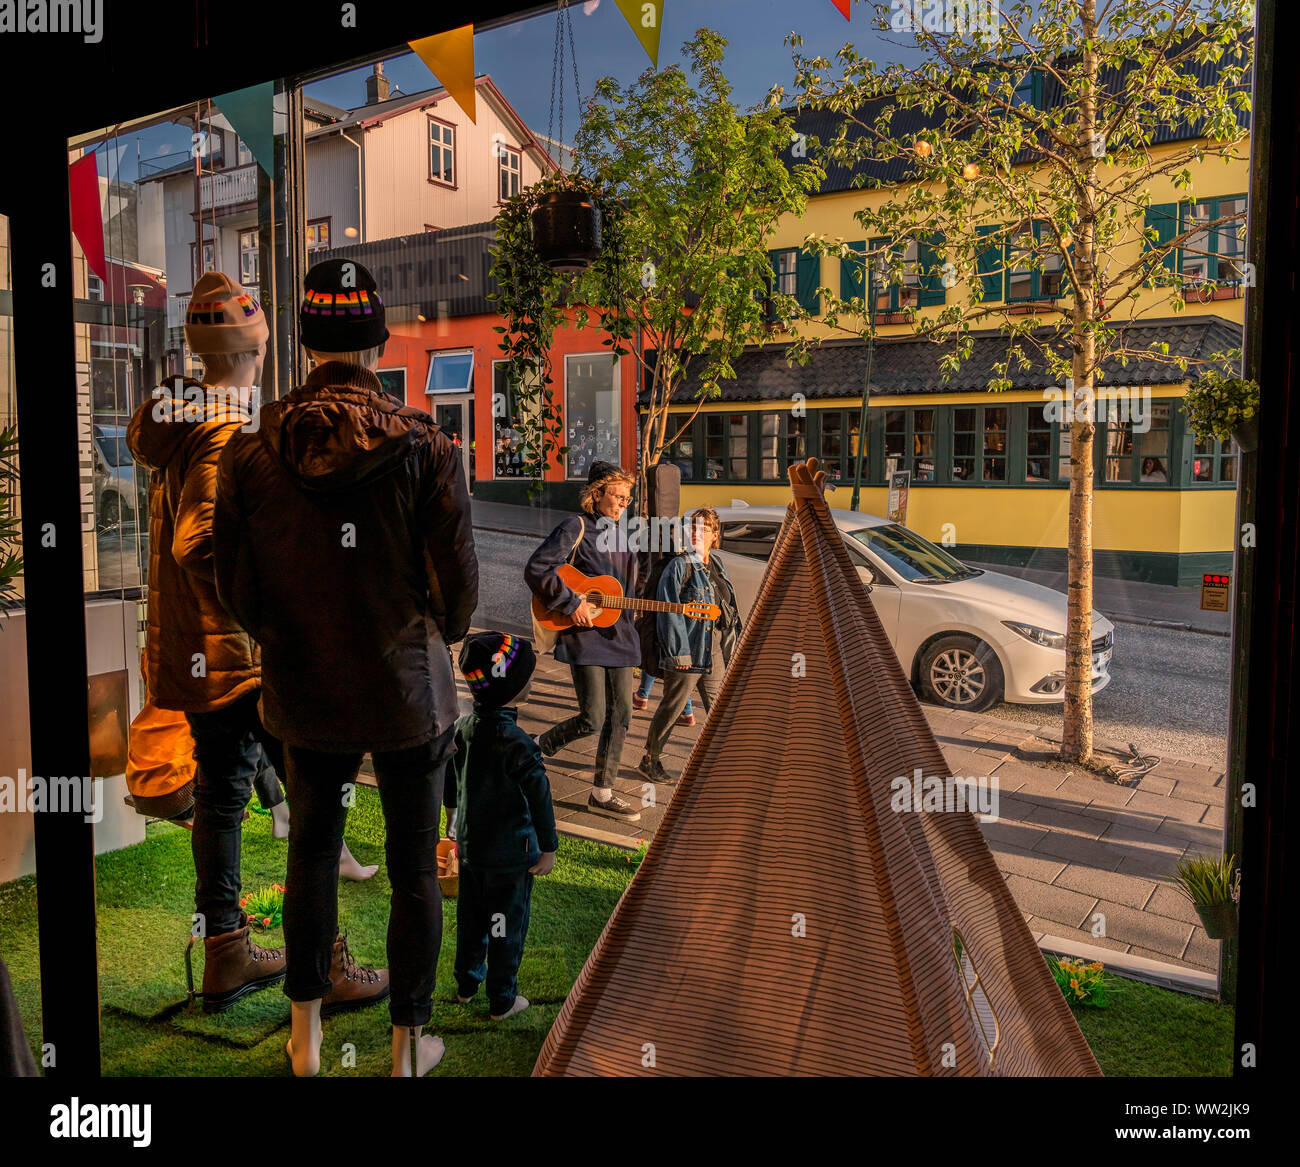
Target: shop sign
{"type": "Point", "coordinates": [1214, 592]}
{"type": "Point", "coordinates": [86, 446]}
{"type": "Point", "coordinates": [899, 486]}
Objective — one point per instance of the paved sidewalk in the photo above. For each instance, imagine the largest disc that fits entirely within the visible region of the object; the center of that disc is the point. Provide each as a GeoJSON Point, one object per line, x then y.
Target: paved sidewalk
{"type": "Point", "coordinates": [1072, 845]}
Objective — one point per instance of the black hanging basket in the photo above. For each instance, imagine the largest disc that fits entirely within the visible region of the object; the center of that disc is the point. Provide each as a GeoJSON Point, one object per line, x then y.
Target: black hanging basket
{"type": "Point", "coordinates": [566, 230]}
{"type": "Point", "coordinates": [1246, 435]}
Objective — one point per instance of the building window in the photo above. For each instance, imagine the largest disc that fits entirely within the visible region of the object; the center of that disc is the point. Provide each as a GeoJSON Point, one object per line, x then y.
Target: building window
{"type": "Point", "coordinates": [249, 261]}
{"type": "Point", "coordinates": [244, 154]}
{"type": "Point", "coordinates": [1038, 445]}
{"type": "Point", "coordinates": [837, 442]}
{"type": "Point", "coordinates": [451, 372]}
{"type": "Point", "coordinates": [680, 453]}
{"type": "Point", "coordinates": [509, 452]}
{"type": "Point", "coordinates": [94, 287]}
{"type": "Point", "coordinates": [442, 152]}
{"type": "Point", "coordinates": [1032, 272]}
{"type": "Point", "coordinates": [507, 173]}
{"type": "Point", "coordinates": [909, 443]}
{"type": "Point", "coordinates": [318, 235]}
{"type": "Point", "coordinates": [591, 412]}
{"type": "Point", "coordinates": [782, 439]}
{"type": "Point", "coordinates": [979, 443]}
{"type": "Point", "coordinates": [726, 446]}
{"type": "Point", "coordinates": [1213, 254]}
{"type": "Point", "coordinates": [1129, 457]}
{"type": "Point", "coordinates": [785, 265]}
{"type": "Point", "coordinates": [1213, 461]}
{"type": "Point", "coordinates": [204, 260]}
{"type": "Point", "coordinates": [393, 381]}
{"type": "Point", "coordinates": [920, 280]}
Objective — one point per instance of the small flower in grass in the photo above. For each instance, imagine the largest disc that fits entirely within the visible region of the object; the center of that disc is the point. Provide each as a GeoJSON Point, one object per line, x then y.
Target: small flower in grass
{"type": "Point", "coordinates": [266, 921]}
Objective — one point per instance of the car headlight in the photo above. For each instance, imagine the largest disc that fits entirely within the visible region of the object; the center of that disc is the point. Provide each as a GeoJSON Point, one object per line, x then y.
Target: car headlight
{"type": "Point", "coordinates": [1037, 635]}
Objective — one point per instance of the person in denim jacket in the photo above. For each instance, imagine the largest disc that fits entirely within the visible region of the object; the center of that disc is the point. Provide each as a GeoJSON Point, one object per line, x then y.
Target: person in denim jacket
{"type": "Point", "coordinates": [693, 653]}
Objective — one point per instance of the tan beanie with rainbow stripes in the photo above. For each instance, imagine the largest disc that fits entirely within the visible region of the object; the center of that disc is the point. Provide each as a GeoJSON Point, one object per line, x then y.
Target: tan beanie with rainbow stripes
{"type": "Point", "coordinates": [223, 318]}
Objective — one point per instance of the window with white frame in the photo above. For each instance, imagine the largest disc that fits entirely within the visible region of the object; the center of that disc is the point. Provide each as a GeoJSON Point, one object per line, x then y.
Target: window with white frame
{"type": "Point", "coordinates": [94, 288]}
{"type": "Point", "coordinates": [249, 261]}
{"type": "Point", "coordinates": [451, 372]}
{"type": "Point", "coordinates": [508, 166]}
{"type": "Point", "coordinates": [442, 152]}
{"type": "Point", "coordinates": [204, 258]}
{"type": "Point", "coordinates": [591, 412]}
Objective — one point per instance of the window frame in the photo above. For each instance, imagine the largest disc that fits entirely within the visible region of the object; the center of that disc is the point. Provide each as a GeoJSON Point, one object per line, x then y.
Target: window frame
{"type": "Point", "coordinates": [503, 171]}
{"type": "Point", "coordinates": [727, 438]}
{"type": "Point", "coordinates": [1134, 480]}
{"type": "Point", "coordinates": [617, 384]}
{"type": "Point", "coordinates": [782, 436]}
{"type": "Point", "coordinates": [511, 406]}
{"type": "Point", "coordinates": [461, 351]}
{"type": "Point", "coordinates": [327, 220]}
{"type": "Point", "coordinates": [1036, 274]}
{"type": "Point", "coordinates": [671, 453]}
{"type": "Point", "coordinates": [1212, 254]}
{"type": "Point", "coordinates": [444, 146]}
{"type": "Point", "coordinates": [981, 432]}
{"type": "Point", "coordinates": [255, 251]}
{"type": "Point", "coordinates": [941, 434]}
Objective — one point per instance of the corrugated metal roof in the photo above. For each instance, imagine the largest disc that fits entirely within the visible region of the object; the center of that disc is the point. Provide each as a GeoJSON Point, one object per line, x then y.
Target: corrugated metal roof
{"type": "Point", "coordinates": [909, 365]}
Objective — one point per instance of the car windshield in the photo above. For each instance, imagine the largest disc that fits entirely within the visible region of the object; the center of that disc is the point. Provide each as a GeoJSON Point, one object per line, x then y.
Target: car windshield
{"type": "Point", "coordinates": [915, 559]}
{"type": "Point", "coordinates": [113, 446]}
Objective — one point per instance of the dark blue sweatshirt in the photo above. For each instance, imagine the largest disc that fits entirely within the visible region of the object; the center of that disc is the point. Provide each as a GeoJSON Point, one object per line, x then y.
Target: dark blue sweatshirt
{"type": "Point", "coordinates": [498, 787]}
{"type": "Point", "coordinates": [617, 646]}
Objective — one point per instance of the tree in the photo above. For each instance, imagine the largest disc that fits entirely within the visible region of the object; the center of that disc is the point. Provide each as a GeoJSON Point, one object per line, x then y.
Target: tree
{"type": "Point", "coordinates": [1030, 142]}
{"type": "Point", "coordinates": [691, 188]}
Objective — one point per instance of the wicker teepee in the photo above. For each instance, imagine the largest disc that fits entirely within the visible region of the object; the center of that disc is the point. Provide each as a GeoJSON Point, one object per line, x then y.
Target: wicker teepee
{"type": "Point", "coordinates": [787, 920]}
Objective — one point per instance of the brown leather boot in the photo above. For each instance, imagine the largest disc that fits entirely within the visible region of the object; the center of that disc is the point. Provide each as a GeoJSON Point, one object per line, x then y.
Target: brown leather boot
{"type": "Point", "coordinates": [234, 966]}
{"type": "Point", "coordinates": [351, 986]}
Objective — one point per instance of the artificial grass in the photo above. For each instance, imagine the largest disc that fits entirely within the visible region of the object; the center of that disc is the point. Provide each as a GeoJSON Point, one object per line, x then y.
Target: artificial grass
{"type": "Point", "coordinates": [145, 896]}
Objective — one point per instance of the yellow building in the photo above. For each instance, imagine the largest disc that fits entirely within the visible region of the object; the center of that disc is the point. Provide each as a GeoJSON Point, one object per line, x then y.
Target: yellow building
{"type": "Point", "coordinates": [989, 471]}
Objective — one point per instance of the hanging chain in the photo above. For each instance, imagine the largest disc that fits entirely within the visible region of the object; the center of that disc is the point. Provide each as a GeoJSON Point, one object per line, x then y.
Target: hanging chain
{"type": "Point", "coordinates": [554, 131]}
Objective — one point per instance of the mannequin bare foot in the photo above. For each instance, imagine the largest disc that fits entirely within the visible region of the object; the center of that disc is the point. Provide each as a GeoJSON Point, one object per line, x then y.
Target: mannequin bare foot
{"type": "Point", "coordinates": [349, 868]}
{"type": "Point", "coordinates": [280, 820]}
{"type": "Point", "coordinates": [303, 1047]}
{"type": "Point", "coordinates": [430, 1051]}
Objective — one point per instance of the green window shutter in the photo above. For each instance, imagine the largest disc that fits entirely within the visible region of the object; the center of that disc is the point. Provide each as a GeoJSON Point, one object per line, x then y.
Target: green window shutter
{"type": "Point", "coordinates": [808, 278]}
{"type": "Point", "coordinates": [1164, 218]}
{"type": "Point", "coordinates": [932, 290]}
{"type": "Point", "coordinates": [853, 272]}
{"type": "Point", "coordinates": [987, 262]}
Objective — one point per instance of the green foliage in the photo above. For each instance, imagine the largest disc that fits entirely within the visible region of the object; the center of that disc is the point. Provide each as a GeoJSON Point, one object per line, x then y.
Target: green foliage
{"type": "Point", "coordinates": [11, 559]}
{"type": "Point", "coordinates": [690, 190]}
{"type": "Point", "coordinates": [1218, 405]}
{"type": "Point", "coordinates": [1209, 881]}
{"type": "Point", "coordinates": [264, 907]}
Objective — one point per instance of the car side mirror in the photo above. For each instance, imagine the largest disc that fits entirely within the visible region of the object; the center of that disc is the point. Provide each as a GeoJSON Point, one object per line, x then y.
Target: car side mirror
{"type": "Point", "coordinates": [867, 576]}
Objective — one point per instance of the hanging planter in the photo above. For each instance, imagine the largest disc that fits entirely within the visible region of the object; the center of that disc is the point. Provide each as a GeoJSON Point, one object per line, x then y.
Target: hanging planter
{"type": "Point", "coordinates": [566, 229]}
{"type": "Point", "coordinates": [1224, 407]}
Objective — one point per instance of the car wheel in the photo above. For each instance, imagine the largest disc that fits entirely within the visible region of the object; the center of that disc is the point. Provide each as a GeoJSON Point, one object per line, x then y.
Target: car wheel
{"type": "Point", "coordinates": [961, 672]}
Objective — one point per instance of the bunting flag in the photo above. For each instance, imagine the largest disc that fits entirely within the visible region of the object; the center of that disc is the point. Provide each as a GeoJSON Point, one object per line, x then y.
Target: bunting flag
{"type": "Point", "coordinates": [645, 17]}
{"type": "Point", "coordinates": [251, 113]}
{"type": "Point", "coordinates": [87, 215]}
{"type": "Point", "coordinates": [843, 6]}
{"type": "Point", "coordinates": [450, 58]}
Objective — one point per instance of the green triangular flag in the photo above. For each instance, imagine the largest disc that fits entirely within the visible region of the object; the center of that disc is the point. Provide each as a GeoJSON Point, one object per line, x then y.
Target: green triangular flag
{"type": "Point", "coordinates": [645, 17]}
{"type": "Point", "coordinates": [252, 116]}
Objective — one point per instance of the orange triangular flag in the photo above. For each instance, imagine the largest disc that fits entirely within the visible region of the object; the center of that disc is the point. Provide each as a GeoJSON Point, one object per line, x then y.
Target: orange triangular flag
{"type": "Point", "coordinates": [843, 6]}
{"type": "Point", "coordinates": [450, 57]}
{"type": "Point", "coordinates": [646, 17]}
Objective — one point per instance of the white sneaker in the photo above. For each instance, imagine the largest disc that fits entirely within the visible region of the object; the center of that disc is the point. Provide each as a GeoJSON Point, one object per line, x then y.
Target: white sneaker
{"type": "Point", "coordinates": [521, 1003]}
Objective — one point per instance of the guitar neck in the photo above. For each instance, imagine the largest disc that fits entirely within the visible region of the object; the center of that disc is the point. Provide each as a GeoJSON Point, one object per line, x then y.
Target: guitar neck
{"type": "Point", "coordinates": [632, 605]}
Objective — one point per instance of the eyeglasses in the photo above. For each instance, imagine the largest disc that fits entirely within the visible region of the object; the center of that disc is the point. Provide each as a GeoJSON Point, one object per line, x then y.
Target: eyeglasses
{"type": "Point", "coordinates": [621, 498]}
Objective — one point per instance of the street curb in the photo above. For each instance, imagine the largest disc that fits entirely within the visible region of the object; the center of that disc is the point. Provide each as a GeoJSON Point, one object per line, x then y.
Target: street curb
{"type": "Point", "coordinates": [1138, 968]}
{"type": "Point", "coordinates": [1171, 625]}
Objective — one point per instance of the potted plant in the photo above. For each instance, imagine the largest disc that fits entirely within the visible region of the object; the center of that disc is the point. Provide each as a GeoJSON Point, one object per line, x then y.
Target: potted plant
{"type": "Point", "coordinates": [566, 226]}
{"type": "Point", "coordinates": [1223, 407]}
{"type": "Point", "coordinates": [1214, 887]}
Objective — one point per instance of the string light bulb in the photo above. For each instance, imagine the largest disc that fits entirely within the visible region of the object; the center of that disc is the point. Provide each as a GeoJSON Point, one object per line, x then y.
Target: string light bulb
{"type": "Point", "coordinates": [970, 171]}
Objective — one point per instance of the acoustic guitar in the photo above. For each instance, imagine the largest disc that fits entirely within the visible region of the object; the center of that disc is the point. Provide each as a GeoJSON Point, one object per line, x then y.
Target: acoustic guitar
{"type": "Point", "coordinates": [607, 594]}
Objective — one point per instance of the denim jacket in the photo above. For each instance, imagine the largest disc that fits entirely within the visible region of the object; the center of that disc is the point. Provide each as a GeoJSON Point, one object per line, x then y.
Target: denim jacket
{"type": "Point", "coordinates": [683, 640]}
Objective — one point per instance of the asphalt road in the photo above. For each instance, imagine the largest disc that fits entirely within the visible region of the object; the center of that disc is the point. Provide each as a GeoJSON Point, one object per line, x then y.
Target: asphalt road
{"type": "Point", "coordinates": [1168, 694]}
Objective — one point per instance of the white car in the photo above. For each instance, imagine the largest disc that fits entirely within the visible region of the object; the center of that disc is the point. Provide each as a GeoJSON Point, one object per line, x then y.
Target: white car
{"type": "Point", "coordinates": [967, 638]}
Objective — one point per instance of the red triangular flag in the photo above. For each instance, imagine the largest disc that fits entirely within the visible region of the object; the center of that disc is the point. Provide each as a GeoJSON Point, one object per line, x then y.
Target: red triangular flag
{"type": "Point", "coordinates": [87, 220]}
{"type": "Point", "coordinates": [843, 6]}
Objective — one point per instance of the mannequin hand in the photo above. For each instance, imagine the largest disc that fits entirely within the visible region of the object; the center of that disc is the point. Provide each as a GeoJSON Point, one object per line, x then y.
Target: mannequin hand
{"type": "Point", "coordinates": [544, 864]}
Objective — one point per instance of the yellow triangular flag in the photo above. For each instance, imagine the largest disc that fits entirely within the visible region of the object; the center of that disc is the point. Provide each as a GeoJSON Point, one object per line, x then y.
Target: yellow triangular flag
{"type": "Point", "coordinates": [450, 57]}
{"type": "Point", "coordinates": [645, 17]}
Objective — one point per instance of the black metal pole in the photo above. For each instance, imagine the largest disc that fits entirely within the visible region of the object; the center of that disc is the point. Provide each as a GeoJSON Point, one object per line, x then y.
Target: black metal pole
{"type": "Point", "coordinates": [862, 419]}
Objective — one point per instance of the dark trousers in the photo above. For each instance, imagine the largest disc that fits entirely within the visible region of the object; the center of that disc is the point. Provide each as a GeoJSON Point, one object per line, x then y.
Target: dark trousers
{"type": "Point", "coordinates": [604, 704]}
{"type": "Point", "coordinates": [489, 948]}
{"type": "Point", "coordinates": [410, 788]}
{"type": "Point", "coordinates": [227, 745]}
{"type": "Point", "coordinates": [678, 689]}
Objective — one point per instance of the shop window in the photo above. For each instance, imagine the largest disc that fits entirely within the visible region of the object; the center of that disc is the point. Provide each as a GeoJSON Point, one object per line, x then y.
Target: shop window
{"type": "Point", "coordinates": [591, 412]}
{"type": "Point", "coordinates": [726, 446]}
{"type": "Point", "coordinates": [979, 443]}
{"type": "Point", "coordinates": [1131, 457]}
{"type": "Point", "coordinates": [837, 442]}
{"type": "Point", "coordinates": [249, 259]}
{"type": "Point", "coordinates": [510, 454]}
{"type": "Point", "coordinates": [679, 444]}
{"type": "Point", "coordinates": [1213, 461]}
{"type": "Point", "coordinates": [442, 153]}
{"type": "Point", "coordinates": [451, 372]}
{"type": "Point", "coordinates": [318, 235]}
{"type": "Point", "coordinates": [782, 439]}
{"type": "Point", "coordinates": [508, 166]}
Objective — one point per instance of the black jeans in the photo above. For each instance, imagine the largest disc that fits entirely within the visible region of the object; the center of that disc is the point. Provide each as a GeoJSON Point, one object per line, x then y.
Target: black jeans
{"type": "Point", "coordinates": [678, 689]}
{"type": "Point", "coordinates": [488, 949]}
{"type": "Point", "coordinates": [226, 748]}
{"type": "Point", "coordinates": [604, 704]}
{"type": "Point", "coordinates": [410, 788]}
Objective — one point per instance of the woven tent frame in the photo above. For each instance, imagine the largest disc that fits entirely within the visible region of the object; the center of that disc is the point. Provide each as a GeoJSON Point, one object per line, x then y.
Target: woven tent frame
{"type": "Point", "coordinates": [786, 920]}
